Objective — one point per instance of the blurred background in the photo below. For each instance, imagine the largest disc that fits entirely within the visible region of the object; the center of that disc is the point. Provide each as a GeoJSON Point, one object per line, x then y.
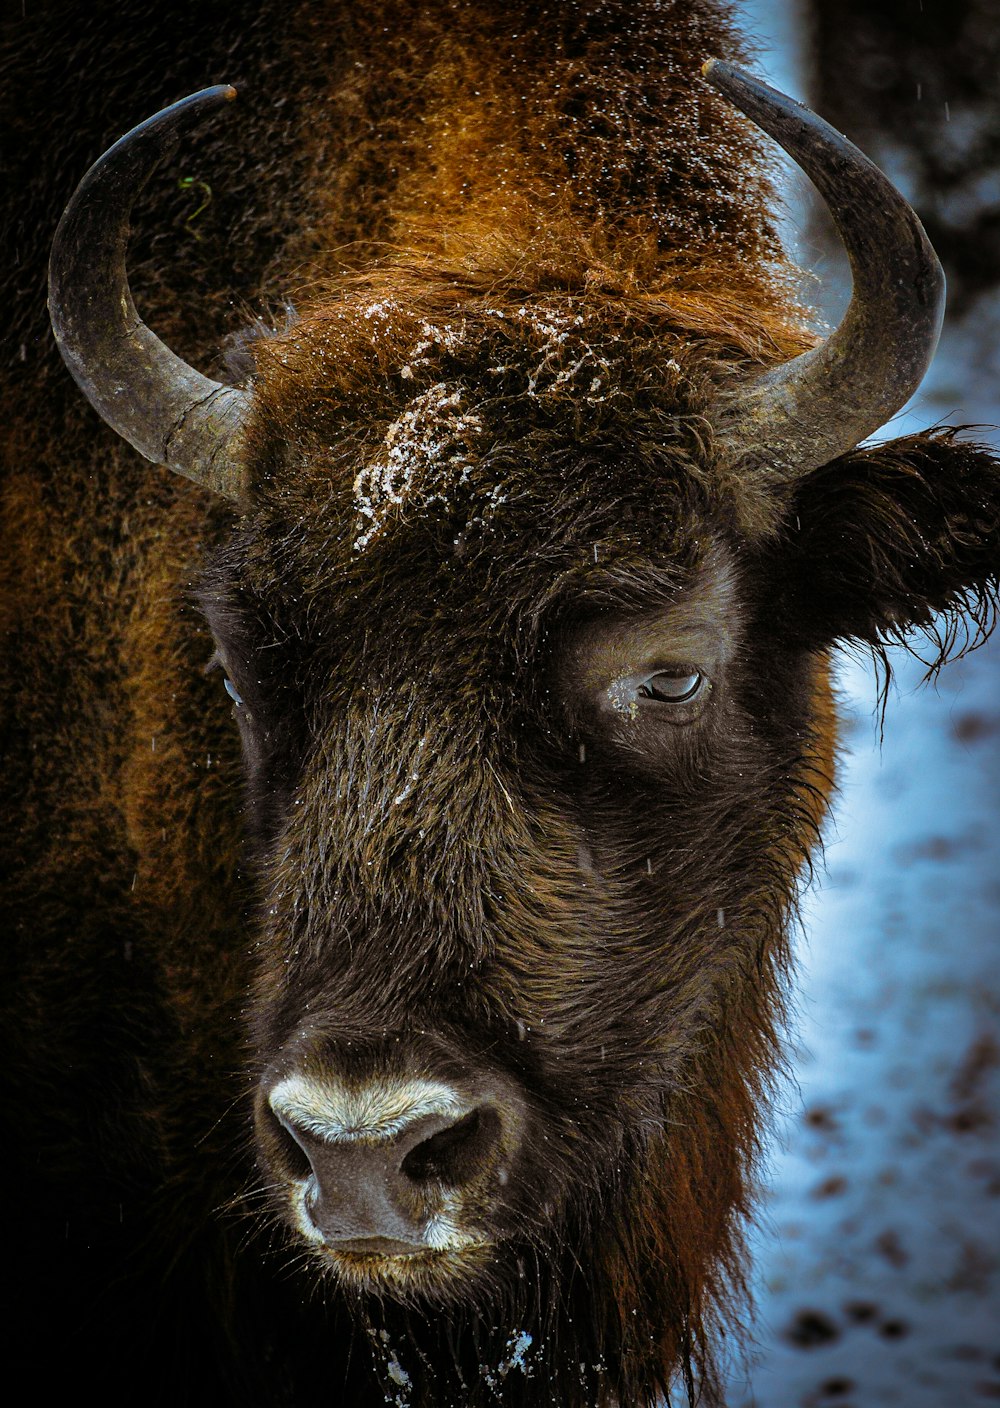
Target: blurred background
{"type": "Point", "coordinates": [877, 1250]}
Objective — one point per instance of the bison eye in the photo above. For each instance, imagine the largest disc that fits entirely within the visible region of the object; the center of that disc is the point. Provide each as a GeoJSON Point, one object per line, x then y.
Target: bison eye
{"type": "Point", "coordinates": [671, 688]}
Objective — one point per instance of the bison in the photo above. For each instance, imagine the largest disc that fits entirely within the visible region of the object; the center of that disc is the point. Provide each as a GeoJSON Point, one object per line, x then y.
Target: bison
{"type": "Point", "coordinates": [427, 1064]}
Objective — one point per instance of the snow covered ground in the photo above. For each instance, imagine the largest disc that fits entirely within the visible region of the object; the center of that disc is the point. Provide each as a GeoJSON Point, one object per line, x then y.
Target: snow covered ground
{"type": "Point", "coordinates": [877, 1256]}
{"type": "Point", "coordinates": [878, 1252]}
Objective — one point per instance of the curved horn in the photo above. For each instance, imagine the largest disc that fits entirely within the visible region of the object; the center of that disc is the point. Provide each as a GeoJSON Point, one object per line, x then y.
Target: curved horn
{"type": "Point", "coordinates": [168, 411]}
{"type": "Point", "coordinates": [821, 404]}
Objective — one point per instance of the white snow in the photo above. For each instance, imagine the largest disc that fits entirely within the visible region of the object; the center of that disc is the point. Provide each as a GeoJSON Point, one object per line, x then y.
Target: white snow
{"type": "Point", "coordinates": [878, 1251]}
{"type": "Point", "coordinates": [426, 451]}
{"type": "Point", "coordinates": [515, 1358]}
{"type": "Point", "coordinates": [882, 1215]}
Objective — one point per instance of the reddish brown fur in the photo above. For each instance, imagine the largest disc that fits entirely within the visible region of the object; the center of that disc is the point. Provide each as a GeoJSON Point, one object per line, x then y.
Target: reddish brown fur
{"type": "Point", "coordinates": [452, 165]}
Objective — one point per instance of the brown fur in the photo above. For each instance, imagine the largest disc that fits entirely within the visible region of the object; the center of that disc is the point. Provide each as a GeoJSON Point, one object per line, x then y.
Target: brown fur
{"type": "Point", "coordinates": [554, 219]}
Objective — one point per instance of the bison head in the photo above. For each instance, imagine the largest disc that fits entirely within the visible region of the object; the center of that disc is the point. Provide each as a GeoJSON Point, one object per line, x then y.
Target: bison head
{"type": "Point", "coordinates": [526, 621]}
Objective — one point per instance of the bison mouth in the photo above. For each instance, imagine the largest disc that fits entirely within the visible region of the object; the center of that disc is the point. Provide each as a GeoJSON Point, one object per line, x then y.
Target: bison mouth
{"type": "Point", "coordinates": [413, 1279]}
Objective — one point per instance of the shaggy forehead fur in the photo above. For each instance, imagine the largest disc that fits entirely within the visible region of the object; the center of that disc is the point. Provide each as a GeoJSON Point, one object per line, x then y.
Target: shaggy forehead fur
{"type": "Point", "coordinates": [498, 420]}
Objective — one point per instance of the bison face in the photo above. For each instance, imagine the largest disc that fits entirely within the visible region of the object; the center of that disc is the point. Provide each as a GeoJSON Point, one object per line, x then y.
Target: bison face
{"type": "Point", "coordinates": [539, 735]}
{"type": "Point", "coordinates": [530, 783]}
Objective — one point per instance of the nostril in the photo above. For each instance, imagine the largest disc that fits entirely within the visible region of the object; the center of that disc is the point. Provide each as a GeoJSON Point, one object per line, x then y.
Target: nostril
{"type": "Point", "coordinates": [293, 1154]}
{"type": "Point", "coordinates": [455, 1155]}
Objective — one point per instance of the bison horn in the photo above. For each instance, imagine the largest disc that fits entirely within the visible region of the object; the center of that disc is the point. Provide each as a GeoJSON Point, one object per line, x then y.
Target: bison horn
{"type": "Point", "coordinates": [821, 404]}
{"type": "Point", "coordinates": [170, 413]}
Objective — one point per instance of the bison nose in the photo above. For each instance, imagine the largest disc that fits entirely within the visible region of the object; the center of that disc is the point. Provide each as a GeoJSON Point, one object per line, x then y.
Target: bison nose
{"type": "Point", "coordinates": [381, 1168]}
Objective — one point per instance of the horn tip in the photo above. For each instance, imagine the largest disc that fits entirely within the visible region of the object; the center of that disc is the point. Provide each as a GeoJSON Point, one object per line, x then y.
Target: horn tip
{"type": "Point", "coordinates": [718, 71]}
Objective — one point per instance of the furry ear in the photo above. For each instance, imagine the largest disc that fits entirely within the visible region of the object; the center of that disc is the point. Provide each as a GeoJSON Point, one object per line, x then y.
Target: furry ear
{"type": "Point", "coordinates": [879, 541]}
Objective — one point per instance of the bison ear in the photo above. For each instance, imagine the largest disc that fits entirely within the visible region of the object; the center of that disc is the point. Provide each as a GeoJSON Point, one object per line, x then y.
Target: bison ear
{"type": "Point", "coordinates": [879, 541]}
